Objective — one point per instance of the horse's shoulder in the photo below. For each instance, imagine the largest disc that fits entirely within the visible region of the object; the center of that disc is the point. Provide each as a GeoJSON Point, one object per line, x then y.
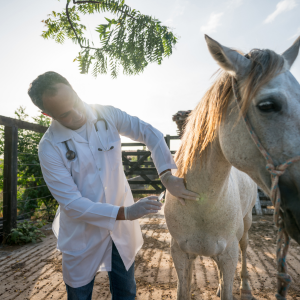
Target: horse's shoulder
{"type": "Point", "coordinates": [242, 177]}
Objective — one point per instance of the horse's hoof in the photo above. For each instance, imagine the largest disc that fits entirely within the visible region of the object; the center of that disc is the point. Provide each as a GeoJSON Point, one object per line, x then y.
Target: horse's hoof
{"type": "Point", "coordinates": [246, 295]}
{"type": "Point", "coordinates": [219, 292]}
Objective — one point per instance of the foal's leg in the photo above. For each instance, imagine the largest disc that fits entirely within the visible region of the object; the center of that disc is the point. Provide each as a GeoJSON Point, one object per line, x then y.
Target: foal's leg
{"type": "Point", "coordinates": [227, 263]}
{"type": "Point", "coordinates": [183, 265]}
{"type": "Point", "coordinates": [219, 277]}
{"type": "Point", "coordinates": [219, 287]}
{"type": "Point", "coordinates": [245, 287]}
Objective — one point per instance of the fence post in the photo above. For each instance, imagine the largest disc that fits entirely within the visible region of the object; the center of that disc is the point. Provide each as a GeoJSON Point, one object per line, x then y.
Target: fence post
{"type": "Point", "coordinates": [168, 140]}
{"type": "Point", "coordinates": [10, 179]}
{"type": "Point", "coordinates": [257, 206]}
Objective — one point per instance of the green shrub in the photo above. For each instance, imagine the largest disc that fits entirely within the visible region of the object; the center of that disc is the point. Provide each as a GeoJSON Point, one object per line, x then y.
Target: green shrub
{"type": "Point", "coordinates": [26, 232]}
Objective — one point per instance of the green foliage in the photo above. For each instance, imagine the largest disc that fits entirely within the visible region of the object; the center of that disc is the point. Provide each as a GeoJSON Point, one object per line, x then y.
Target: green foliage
{"type": "Point", "coordinates": [41, 223]}
{"type": "Point", "coordinates": [26, 232]}
{"type": "Point", "coordinates": [34, 198]}
{"type": "Point", "coordinates": [1, 186]}
{"type": "Point", "coordinates": [130, 40]}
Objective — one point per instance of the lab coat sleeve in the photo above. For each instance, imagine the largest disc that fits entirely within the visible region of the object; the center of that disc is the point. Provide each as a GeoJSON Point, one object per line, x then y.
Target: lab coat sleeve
{"type": "Point", "coordinates": [143, 132]}
{"type": "Point", "coordinates": [65, 191]}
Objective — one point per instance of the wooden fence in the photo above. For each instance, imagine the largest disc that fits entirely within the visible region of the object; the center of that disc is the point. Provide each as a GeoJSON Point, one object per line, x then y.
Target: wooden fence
{"type": "Point", "coordinates": [10, 169]}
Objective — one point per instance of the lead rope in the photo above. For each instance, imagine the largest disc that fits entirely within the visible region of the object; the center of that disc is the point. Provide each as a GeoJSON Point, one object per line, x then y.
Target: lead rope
{"type": "Point", "coordinates": [283, 279]}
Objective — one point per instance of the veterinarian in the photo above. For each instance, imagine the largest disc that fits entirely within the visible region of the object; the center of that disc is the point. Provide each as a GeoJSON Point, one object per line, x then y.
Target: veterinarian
{"type": "Point", "coordinates": [80, 155]}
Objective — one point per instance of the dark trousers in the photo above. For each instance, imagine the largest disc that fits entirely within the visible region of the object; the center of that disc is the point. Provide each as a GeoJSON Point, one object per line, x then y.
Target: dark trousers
{"type": "Point", "coordinates": [122, 282]}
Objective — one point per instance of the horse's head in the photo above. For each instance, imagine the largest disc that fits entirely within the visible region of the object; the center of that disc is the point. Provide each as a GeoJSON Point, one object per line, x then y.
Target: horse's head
{"type": "Point", "coordinates": [270, 96]}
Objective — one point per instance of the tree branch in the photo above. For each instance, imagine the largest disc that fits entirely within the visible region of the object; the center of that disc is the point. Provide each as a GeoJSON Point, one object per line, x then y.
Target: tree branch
{"type": "Point", "coordinates": [130, 39]}
{"type": "Point", "coordinates": [94, 2]}
{"type": "Point", "coordinates": [71, 24]}
{"type": "Point", "coordinates": [100, 2]}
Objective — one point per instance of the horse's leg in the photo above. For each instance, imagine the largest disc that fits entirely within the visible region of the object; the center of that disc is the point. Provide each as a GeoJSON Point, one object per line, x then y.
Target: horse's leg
{"type": "Point", "coordinates": [227, 263]}
{"type": "Point", "coordinates": [219, 287]}
{"type": "Point", "coordinates": [219, 277]}
{"type": "Point", "coordinates": [183, 265]}
{"type": "Point", "coordinates": [219, 291]}
{"type": "Point", "coordinates": [245, 287]}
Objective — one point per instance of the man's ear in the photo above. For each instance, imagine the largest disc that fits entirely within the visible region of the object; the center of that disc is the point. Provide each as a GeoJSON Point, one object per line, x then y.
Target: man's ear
{"type": "Point", "coordinates": [291, 54]}
{"type": "Point", "coordinates": [229, 60]}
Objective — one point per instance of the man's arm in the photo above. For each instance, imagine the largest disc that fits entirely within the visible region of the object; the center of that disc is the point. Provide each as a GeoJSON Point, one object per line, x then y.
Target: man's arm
{"type": "Point", "coordinates": [165, 171]}
{"type": "Point", "coordinates": [65, 191]}
{"type": "Point", "coordinates": [121, 215]}
{"type": "Point", "coordinates": [143, 132]}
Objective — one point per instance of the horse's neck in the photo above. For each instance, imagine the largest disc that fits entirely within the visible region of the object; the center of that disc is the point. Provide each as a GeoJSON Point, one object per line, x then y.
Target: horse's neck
{"type": "Point", "coordinates": [209, 176]}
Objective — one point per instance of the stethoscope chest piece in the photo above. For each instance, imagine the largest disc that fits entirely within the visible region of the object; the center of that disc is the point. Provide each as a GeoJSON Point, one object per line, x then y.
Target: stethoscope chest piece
{"type": "Point", "coordinates": [70, 155]}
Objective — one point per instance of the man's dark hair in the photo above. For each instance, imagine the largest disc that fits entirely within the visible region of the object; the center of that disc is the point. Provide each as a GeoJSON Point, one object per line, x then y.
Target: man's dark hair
{"type": "Point", "coordinates": [45, 83]}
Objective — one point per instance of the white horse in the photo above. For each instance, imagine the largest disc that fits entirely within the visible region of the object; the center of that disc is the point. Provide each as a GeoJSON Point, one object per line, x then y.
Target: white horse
{"type": "Point", "coordinates": [220, 161]}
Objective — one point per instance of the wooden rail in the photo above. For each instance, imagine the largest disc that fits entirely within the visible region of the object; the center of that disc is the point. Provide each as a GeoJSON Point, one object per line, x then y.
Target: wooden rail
{"type": "Point", "coordinates": [10, 122]}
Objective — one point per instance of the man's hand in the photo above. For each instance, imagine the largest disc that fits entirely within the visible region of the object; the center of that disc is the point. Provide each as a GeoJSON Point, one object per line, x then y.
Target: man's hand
{"type": "Point", "coordinates": [175, 186]}
{"type": "Point", "coordinates": [144, 206]}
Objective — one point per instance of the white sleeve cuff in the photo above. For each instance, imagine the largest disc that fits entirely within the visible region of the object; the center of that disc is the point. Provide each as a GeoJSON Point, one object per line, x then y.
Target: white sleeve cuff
{"type": "Point", "coordinates": [166, 167]}
{"type": "Point", "coordinates": [113, 218]}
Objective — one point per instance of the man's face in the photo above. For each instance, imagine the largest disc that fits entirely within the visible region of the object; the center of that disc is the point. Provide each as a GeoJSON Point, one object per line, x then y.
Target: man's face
{"type": "Point", "coordinates": [65, 107]}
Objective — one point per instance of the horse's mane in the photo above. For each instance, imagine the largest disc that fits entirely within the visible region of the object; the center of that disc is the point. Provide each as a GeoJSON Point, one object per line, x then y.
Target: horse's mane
{"type": "Point", "coordinates": [205, 119]}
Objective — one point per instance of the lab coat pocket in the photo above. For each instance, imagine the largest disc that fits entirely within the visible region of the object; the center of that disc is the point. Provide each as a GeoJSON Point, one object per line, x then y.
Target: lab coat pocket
{"type": "Point", "coordinates": [71, 235]}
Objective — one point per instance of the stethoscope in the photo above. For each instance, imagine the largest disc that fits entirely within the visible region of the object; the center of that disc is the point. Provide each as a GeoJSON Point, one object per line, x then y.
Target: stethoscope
{"type": "Point", "coordinates": [71, 154]}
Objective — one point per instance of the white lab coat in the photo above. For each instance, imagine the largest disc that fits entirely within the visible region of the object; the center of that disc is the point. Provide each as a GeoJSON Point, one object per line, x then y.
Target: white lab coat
{"type": "Point", "coordinates": [91, 188]}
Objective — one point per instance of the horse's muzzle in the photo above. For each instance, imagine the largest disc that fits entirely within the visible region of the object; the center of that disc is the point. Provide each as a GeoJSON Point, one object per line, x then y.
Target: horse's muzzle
{"type": "Point", "coordinates": [291, 210]}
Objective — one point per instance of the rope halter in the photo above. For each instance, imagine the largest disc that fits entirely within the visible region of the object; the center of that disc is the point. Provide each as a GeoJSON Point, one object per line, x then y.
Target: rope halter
{"type": "Point", "coordinates": [283, 279]}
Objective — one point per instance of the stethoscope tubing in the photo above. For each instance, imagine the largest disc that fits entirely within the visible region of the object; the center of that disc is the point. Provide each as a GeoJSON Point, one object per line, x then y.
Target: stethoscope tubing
{"type": "Point", "coordinates": [71, 155]}
{"type": "Point", "coordinates": [106, 127]}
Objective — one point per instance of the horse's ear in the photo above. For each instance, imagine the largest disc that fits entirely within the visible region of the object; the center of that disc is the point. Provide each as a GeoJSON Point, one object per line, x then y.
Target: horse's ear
{"type": "Point", "coordinates": [291, 54]}
{"type": "Point", "coordinates": [228, 59]}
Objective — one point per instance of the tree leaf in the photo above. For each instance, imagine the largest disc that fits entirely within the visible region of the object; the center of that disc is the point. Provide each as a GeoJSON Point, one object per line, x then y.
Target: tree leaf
{"type": "Point", "coordinates": [130, 41]}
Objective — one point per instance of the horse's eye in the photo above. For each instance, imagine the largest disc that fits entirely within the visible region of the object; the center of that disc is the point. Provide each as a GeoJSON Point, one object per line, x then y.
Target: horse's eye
{"type": "Point", "coordinates": [268, 106]}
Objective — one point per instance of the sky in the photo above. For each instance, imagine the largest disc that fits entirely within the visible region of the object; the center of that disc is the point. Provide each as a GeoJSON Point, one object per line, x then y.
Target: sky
{"type": "Point", "coordinates": [161, 90]}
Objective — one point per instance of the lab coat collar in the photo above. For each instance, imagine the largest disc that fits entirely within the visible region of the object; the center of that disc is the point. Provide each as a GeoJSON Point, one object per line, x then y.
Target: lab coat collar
{"type": "Point", "coordinates": [61, 133]}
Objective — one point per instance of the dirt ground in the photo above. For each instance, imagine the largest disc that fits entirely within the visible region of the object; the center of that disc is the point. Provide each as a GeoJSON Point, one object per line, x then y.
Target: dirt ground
{"type": "Point", "coordinates": [34, 271]}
